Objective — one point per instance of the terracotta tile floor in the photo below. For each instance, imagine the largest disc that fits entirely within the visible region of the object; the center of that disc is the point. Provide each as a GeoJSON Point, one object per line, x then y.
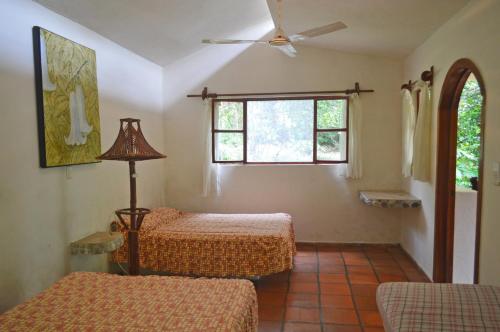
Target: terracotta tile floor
{"type": "Point", "coordinates": [331, 288]}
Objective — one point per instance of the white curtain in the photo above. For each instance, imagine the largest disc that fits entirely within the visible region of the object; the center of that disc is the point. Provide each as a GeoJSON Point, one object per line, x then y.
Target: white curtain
{"type": "Point", "coordinates": [408, 128]}
{"type": "Point", "coordinates": [422, 139]}
{"type": "Point", "coordinates": [211, 171]}
{"type": "Point", "coordinates": [354, 168]}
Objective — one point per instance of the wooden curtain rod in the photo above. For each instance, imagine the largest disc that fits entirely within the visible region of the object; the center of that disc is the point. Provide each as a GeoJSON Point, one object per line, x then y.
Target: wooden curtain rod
{"type": "Point", "coordinates": [426, 76]}
{"type": "Point", "coordinates": [204, 94]}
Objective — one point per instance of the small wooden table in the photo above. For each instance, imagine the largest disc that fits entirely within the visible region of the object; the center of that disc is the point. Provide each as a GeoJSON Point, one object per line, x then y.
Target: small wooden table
{"type": "Point", "coordinates": [97, 243]}
{"type": "Point", "coordinates": [389, 199]}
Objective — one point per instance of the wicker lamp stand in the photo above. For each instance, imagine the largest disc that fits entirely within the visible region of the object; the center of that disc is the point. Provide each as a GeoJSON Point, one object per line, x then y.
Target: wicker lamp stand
{"type": "Point", "coordinates": [131, 146]}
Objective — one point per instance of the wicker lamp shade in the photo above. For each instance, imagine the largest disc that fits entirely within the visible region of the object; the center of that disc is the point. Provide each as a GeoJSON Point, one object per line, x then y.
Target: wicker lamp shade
{"type": "Point", "coordinates": [130, 145]}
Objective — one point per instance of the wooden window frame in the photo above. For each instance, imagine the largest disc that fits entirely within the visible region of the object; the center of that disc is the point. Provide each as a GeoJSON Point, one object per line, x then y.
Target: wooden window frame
{"type": "Point", "coordinates": [316, 130]}
{"type": "Point", "coordinates": [235, 131]}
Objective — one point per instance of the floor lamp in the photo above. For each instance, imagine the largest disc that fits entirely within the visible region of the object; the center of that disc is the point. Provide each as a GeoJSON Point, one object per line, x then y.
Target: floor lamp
{"type": "Point", "coordinates": [131, 146]}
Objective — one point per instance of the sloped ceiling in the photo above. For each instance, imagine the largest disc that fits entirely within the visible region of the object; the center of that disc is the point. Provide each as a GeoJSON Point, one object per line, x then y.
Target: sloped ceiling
{"type": "Point", "coordinates": [381, 27]}
{"type": "Point", "coordinates": [164, 30]}
{"type": "Point", "coordinates": [167, 30]}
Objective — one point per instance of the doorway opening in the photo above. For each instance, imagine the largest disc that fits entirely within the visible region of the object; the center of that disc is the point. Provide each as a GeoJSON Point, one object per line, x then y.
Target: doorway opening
{"type": "Point", "coordinates": [459, 175]}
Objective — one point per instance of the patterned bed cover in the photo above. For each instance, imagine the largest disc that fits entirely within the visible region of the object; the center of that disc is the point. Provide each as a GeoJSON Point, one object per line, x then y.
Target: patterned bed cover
{"type": "Point", "coordinates": [215, 245]}
{"type": "Point", "coordinates": [419, 307]}
{"type": "Point", "coordinates": [86, 301]}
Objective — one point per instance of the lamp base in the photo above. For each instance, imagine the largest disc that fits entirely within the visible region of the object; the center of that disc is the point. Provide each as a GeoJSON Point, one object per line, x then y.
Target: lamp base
{"type": "Point", "coordinates": [136, 217]}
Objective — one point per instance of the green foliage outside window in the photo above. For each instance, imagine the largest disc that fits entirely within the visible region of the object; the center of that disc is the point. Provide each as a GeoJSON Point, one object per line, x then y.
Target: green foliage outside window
{"type": "Point", "coordinates": [468, 134]}
{"type": "Point", "coordinates": [331, 115]}
{"type": "Point", "coordinates": [281, 130]}
{"type": "Point", "coordinates": [229, 116]}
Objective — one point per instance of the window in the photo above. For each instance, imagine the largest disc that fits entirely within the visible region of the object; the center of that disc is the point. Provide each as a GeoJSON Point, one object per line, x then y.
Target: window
{"type": "Point", "coordinates": [280, 130]}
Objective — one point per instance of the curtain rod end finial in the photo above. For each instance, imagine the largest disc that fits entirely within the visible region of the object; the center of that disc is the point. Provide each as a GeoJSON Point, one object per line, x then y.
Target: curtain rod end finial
{"type": "Point", "coordinates": [356, 87]}
{"type": "Point", "coordinates": [428, 76]}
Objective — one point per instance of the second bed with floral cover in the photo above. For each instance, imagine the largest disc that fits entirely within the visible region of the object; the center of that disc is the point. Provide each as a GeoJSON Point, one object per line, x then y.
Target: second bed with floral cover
{"type": "Point", "coordinates": [214, 245]}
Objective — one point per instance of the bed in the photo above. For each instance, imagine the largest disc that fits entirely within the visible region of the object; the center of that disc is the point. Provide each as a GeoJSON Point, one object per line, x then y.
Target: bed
{"type": "Point", "coordinates": [86, 301]}
{"type": "Point", "coordinates": [419, 307]}
{"type": "Point", "coordinates": [214, 245]}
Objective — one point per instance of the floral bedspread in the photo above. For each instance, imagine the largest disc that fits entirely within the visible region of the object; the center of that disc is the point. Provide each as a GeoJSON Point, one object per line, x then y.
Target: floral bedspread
{"type": "Point", "coordinates": [214, 245]}
{"type": "Point", "coordinates": [87, 301]}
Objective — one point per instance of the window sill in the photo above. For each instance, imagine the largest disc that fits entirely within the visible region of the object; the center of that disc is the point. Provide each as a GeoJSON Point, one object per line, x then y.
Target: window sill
{"type": "Point", "coordinates": [279, 164]}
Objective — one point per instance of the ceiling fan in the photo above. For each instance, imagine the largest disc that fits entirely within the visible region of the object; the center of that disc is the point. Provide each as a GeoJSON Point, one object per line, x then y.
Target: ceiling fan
{"type": "Point", "coordinates": [280, 40]}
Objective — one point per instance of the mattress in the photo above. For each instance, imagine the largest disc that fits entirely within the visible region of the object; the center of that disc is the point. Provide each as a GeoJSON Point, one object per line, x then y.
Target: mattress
{"type": "Point", "coordinates": [419, 307]}
{"type": "Point", "coordinates": [214, 245]}
{"type": "Point", "coordinates": [85, 301]}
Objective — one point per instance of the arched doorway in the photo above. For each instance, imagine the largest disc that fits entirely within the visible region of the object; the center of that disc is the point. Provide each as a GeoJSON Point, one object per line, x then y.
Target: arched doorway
{"type": "Point", "coordinates": [463, 73]}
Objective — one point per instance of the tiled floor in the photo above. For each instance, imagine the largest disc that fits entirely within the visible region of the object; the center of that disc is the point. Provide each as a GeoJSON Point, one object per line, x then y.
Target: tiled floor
{"type": "Point", "coordinates": [331, 288]}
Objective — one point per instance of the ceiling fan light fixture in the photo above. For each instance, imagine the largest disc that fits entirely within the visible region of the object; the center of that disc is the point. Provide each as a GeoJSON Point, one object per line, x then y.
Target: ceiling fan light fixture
{"type": "Point", "coordinates": [279, 38]}
{"type": "Point", "coordinates": [279, 41]}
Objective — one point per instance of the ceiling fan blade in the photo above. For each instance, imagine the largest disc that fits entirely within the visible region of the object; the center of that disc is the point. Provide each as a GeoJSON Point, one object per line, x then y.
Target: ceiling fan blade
{"type": "Point", "coordinates": [319, 31]}
{"type": "Point", "coordinates": [297, 37]}
{"type": "Point", "coordinates": [288, 49]}
{"type": "Point", "coordinates": [231, 41]}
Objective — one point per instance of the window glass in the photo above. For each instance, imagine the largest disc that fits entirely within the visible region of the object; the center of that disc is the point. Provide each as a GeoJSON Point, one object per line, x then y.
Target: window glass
{"type": "Point", "coordinates": [228, 115]}
{"type": "Point", "coordinates": [331, 146]}
{"type": "Point", "coordinates": [280, 130]}
{"type": "Point", "coordinates": [332, 114]}
{"type": "Point", "coordinates": [228, 146]}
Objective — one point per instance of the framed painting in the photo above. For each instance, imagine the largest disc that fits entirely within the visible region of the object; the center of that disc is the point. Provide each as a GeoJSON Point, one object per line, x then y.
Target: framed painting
{"type": "Point", "coordinates": [69, 130]}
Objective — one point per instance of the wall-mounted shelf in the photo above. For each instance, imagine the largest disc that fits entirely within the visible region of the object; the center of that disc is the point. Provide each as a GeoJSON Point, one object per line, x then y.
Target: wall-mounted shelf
{"type": "Point", "coordinates": [389, 199]}
{"type": "Point", "coordinates": [97, 243]}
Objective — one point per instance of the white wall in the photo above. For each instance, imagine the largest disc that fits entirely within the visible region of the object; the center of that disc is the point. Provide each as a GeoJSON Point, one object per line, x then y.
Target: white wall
{"type": "Point", "coordinates": [41, 211]}
{"type": "Point", "coordinates": [324, 206]}
{"type": "Point", "coordinates": [472, 33]}
{"type": "Point", "coordinates": [464, 242]}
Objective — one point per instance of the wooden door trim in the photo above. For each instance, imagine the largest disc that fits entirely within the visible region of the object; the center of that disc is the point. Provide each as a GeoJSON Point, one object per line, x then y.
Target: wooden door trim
{"type": "Point", "coordinates": [445, 170]}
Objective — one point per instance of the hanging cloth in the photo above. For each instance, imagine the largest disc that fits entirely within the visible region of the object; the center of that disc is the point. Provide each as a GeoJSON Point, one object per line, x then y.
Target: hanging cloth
{"type": "Point", "coordinates": [408, 130]}
{"type": "Point", "coordinates": [354, 167]}
{"type": "Point", "coordinates": [211, 171]}
{"type": "Point", "coordinates": [423, 131]}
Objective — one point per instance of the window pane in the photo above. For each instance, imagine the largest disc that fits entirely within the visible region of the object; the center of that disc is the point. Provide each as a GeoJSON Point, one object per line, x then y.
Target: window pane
{"type": "Point", "coordinates": [332, 146]}
{"type": "Point", "coordinates": [332, 114]}
{"type": "Point", "coordinates": [228, 115]}
{"type": "Point", "coordinates": [280, 131]}
{"type": "Point", "coordinates": [228, 146]}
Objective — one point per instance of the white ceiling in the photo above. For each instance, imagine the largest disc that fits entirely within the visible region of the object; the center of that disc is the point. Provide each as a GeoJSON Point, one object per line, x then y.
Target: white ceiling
{"type": "Point", "coordinates": [164, 30]}
{"type": "Point", "coordinates": [167, 30]}
{"type": "Point", "coordinates": [382, 27]}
